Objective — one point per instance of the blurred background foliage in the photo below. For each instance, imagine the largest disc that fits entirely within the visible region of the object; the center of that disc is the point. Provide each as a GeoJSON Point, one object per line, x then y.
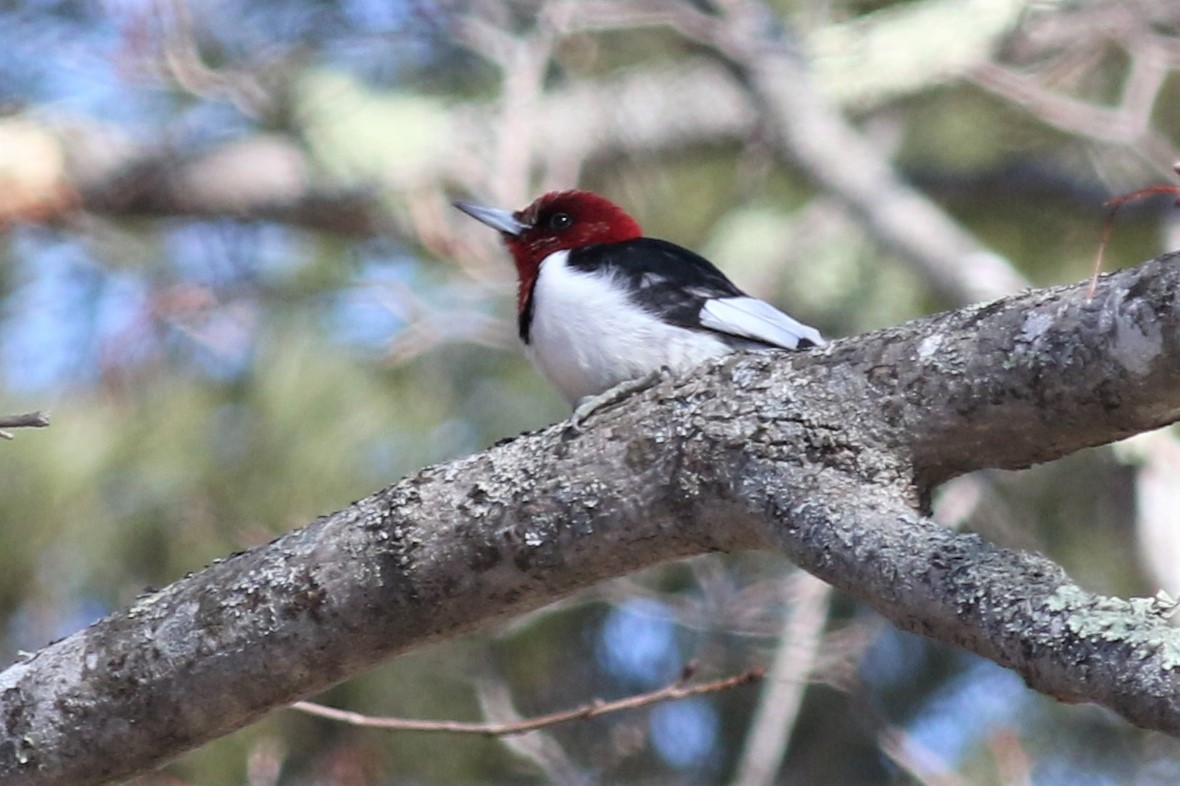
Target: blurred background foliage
{"type": "Point", "coordinates": [231, 271]}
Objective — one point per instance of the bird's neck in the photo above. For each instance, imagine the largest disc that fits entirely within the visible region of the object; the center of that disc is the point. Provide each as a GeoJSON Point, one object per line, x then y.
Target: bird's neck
{"type": "Point", "coordinates": [527, 270]}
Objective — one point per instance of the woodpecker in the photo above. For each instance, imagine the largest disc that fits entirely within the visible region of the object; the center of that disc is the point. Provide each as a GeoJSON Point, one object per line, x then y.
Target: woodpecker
{"type": "Point", "coordinates": [601, 307]}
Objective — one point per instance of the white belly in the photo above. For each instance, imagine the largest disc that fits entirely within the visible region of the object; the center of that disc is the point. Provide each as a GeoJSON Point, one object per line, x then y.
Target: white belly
{"type": "Point", "coordinates": [586, 337]}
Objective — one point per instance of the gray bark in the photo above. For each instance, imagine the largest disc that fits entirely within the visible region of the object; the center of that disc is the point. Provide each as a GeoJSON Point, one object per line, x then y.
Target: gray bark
{"type": "Point", "coordinates": [824, 456]}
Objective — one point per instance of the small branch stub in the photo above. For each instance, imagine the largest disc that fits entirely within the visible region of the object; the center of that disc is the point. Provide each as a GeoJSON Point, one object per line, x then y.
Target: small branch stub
{"type": "Point", "coordinates": [38, 419]}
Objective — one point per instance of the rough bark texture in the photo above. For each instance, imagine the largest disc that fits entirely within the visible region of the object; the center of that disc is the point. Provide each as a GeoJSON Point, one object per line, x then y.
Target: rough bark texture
{"type": "Point", "coordinates": [824, 456]}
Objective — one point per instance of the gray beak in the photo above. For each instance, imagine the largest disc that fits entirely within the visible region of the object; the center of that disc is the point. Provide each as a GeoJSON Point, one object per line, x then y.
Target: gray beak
{"type": "Point", "coordinates": [501, 220]}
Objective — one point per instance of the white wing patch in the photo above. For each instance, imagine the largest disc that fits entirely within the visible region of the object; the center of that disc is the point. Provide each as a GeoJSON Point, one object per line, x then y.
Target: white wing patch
{"type": "Point", "coordinates": [753, 318]}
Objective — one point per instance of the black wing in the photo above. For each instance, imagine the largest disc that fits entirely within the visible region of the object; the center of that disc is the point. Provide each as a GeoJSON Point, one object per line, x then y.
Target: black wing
{"type": "Point", "coordinates": [663, 277]}
{"type": "Point", "coordinates": [687, 290]}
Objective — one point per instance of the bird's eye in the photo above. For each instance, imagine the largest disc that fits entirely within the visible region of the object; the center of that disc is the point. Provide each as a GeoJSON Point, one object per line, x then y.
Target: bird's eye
{"type": "Point", "coordinates": [560, 221]}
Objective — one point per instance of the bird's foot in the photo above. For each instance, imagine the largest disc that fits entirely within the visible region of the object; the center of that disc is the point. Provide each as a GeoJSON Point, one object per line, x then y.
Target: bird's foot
{"type": "Point", "coordinates": [588, 405]}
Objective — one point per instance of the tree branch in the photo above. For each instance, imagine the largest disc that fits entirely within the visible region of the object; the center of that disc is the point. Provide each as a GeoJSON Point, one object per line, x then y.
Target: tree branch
{"type": "Point", "coordinates": [809, 130]}
{"type": "Point", "coordinates": [36, 419]}
{"type": "Point", "coordinates": [825, 456]}
{"type": "Point", "coordinates": [809, 601]}
{"type": "Point", "coordinates": [673, 692]}
{"type": "Point", "coordinates": [275, 177]}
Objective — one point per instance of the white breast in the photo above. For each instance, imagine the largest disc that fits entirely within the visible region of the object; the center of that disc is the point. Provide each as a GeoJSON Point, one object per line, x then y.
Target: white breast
{"type": "Point", "coordinates": [586, 336]}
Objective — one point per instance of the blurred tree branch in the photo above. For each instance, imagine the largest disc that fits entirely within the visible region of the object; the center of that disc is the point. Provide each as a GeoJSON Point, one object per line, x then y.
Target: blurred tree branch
{"type": "Point", "coordinates": [36, 419]}
{"type": "Point", "coordinates": [809, 601]}
{"type": "Point", "coordinates": [270, 176]}
{"type": "Point", "coordinates": [826, 457]}
{"type": "Point", "coordinates": [647, 110]}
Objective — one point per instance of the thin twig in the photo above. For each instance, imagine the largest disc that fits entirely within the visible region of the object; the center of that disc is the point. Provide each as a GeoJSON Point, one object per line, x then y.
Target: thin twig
{"type": "Point", "coordinates": [1114, 205]}
{"type": "Point", "coordinates": [36, 419]}
{"type": "Point", "coordinates": [674, 692]}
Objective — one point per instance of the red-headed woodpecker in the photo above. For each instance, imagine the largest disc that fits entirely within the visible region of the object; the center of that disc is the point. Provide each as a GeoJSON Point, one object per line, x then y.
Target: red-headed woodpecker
{"type": "Point", "coordinates": [600, 305]}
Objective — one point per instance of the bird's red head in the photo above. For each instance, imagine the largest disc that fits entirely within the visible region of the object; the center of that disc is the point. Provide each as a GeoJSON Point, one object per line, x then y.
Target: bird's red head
{"type": "Point", "coordinates": [556, 221]}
